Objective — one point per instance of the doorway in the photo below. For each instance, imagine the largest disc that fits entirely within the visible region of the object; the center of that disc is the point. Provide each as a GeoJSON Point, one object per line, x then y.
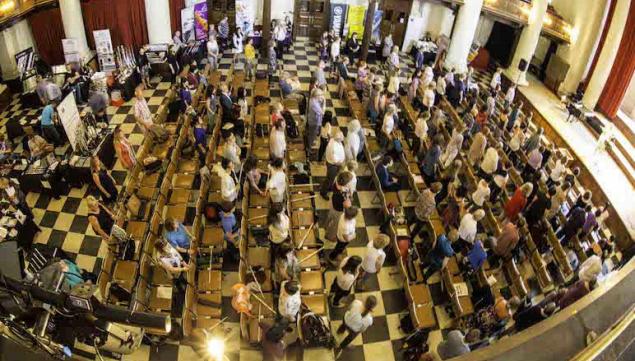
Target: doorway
{"type": "Point", "coordinates": [394, 19]}
{"type": "Point", "coordinates": [310, 18]}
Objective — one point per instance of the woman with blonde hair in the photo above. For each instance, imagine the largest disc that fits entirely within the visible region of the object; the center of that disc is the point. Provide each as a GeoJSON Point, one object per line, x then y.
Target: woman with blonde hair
{"type": "Point", "coordinates": [100, 218]}
{"type": "Point", "coordinates": [124, 150]}
{"type": "Point", "coordinates": [104, 182]}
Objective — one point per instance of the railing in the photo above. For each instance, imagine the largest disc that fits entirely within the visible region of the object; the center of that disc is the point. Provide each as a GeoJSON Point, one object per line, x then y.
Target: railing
{"type": "Point", "coordinates": [557, 27]}
{"type": "Point", "coordinates": [10, 9]}
{"type": "Point", "coordinates": [514, 10]}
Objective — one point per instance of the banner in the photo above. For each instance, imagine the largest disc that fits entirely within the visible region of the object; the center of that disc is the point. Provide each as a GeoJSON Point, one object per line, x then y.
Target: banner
{"type": "Point", "coordinates": [71, 51]}
{"type": "Point", "coordinates": [69, 116]}
{"type": "Point", "coordinates": [337, 18]}
{"type": "Point", "coordinates": [200, 20]}
{"type": "Point", "coordinates": [105, 52]}
{"type": "Point", "coordinates": [355, 20]}
{"type": "Point", "coordinates": [187, 25]}
{"type": "Point", "coordinates": [246, 15]}
{"type": "Point", "coordinates": [376, 36]}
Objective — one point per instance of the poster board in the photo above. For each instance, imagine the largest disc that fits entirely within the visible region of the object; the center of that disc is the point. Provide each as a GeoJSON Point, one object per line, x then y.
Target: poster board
{"type": "Point", "coordinates": [187, 25]}
{"type": "Point", "coordinates": [337, 18]}
{"type": "Point", "coordinates": [355, 20]}
{"type": "Point", "coordinates": [105, 51]}
{"type": "Point", "coordinates": [245, 11]}
{"type": "Point", "coordinates": [376, 33]}
{"type": "Point", "coordinates": [69, 116]}
{"type": "Point", "coordinates": [200, 21]}
{"type": "Point", "coordinates": [71, 51]}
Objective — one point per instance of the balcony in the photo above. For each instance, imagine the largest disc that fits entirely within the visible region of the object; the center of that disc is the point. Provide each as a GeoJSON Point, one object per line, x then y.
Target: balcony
{"type": "Point", "coordinates": [556, 27]}
{"type": "Point", "coordinates": [516, 11]}
{"type": "Point", "coordinates": [11, 9]}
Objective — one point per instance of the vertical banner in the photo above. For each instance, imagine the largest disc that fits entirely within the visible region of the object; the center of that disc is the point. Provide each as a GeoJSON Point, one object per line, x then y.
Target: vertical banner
{"type": "Point", "coordinates": [376, 34]}
{"type": "Point", "coordinates": [71, 51]}
{"type": "Point", "coordinates": [355, 20]}
{"type": "Point", "coordinates": [71, 121]}
{"type": "Point", "coordinates": [200, 20]}
{"type": "Point", "coordinates": [337, 18]}
{"type": "Point", "coordinates": [245, 15]}
{"type": "Point", "coordinates": [105, 51]}
{"type": "Point", "coordinates": [187, 24]}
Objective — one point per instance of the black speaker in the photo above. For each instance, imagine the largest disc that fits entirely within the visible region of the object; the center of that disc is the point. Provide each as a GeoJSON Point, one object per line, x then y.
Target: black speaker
{"type": "Point", "coordinates": [523, 65]}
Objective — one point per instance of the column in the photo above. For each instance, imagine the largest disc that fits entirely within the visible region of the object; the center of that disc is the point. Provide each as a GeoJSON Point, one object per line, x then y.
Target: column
{"type": "Point", "coordinates": [73, 21]}
{"type": "Point", "coordinates": [158, 19]}
{"type": "Point", "coordinates": [368, 28]}
{"type": "Point", "coordinates": [266, 26]}
{"type": "Point", "coordinates": [463, 35]}
{"type": "Point", "coordinates": [607, 55]}
{"type": "Point", "coordinates": [528, 41]}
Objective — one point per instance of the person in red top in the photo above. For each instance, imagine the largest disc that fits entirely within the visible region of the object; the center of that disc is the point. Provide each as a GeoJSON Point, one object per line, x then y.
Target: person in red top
{"type": "Point", "coordinates": [482, 117]}
{"type": "Point", "coordinates": [276, 114]}
{"type": "Point", "coordinates": [517, 202]}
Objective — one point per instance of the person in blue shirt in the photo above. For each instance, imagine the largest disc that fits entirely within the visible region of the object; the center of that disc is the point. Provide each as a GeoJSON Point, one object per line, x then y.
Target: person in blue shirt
{"type": "Point", "coordinates": [200, 138]}
{"type": "Point", "coordinates": [231, 229]}
{"type": "Point", "coordinates": [48, 124]}
{"type": "Point", "coordinates": [185, 94]}
{"type": "Point", "coordinates": [72, 273]}
{"type": "Point", "coordinates": [476, 256]}
{"type": "Point", "coordinates": [440, 253]}
{"type": "Point", "coordinates": [430, 161]}
{"type": "Point", "coordinates": [388, 182]}
{"type": "Point", "coordinates": [513, 116]}
{"type": "Point", "coordinates": [178, 237]}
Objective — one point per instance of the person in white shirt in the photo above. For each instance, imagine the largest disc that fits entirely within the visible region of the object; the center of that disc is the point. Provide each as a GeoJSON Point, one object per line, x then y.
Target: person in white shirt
{"type": "Point", "coordinates": [335, 53]}
{"type": "Point", "coordinates": [393, 83]}
{"type": "Point", "coordinates": [481, 194]}
{"type": "Point", "coordinates": [278, 223]}
{"type": "Point", "coordinates": [393, 62]}
{"type": "Point", "coordinates": [335, 157]}
{"type": "Point", "coordinates": [489, 164]}
{"type": "Point", "coordinates": [421, 133]}
{"type": "Point", "coordinates": [280, 34]}
{"type": "Point", "coordinates": [428, 96]}
{"type": "Point", "coordinates": [590, 268]}
{"type": "Point", "coordinates": [347, 273]}
{"type": "Point", "coordinates": [228, 187]}
{"type": "Point", "coordinates": [453, 148]}
{"type": "Point", "coordinates": [290, 301]}
{"type": "Point", "coordinates": [496, 79]}
{"type": "Point", "coordinates": [469, 225]}
{"type": "Point", "coordinates": [373, 259]}
{"type": "Point", "coordinates": [558, 170]}
{"type": "Point", "coordinates": [212, 53]}
{"type": "Point", "coordinates": [389, 125]}
{"type": "Point", "coordinates": [427, 78]}
{"type": "Point", "coordinates": [231, 150]}
{"type": "Point", "coordinates": [387, 48]}
{"type": "Point", "coordinates": [510, 95]}
{"type": "Point", "coordinates": [441, 85]}
{"type": "Point", "coordinates": [353, 143]}
{"type": "Point", "coordinates": [277, 182]}
{"type": "Point", "coordinates": [345, 232]}
{"type": "Point", "coordinates": [176, 39]}
{"type": "Point", "coordinates": [357, 320]}
{"type": "Point", "coordinates": [238, 39]}
{"type": "Point", "coordinates": [351, 168]}
{"type": "Point", "coordinates": [277, 141]}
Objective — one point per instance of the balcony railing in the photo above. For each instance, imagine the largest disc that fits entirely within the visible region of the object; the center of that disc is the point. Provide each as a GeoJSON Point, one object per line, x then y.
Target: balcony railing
{"type": "Point", "coordinates": [513, 10]}
{"type": "Point", "coordinates": [10, 9]}
{"type": "Point", "coordinates": [557, 27]}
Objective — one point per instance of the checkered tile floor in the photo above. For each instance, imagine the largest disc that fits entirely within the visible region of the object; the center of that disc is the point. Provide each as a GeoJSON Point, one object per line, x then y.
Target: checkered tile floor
{"type": "Point", "coordinates": [64, 224]}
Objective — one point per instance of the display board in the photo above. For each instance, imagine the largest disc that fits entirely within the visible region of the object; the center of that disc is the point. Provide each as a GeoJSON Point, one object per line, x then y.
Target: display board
{"type": "Point", "coordinates": [71, 50]}
{"type": "Point", "coordinates": [337, 18]}
{"type": "Point", "coordinates": [105, 51]}
{"type": "Point", "coordinates": [355, 20]}
{"type": "Point", "coordinates": [187, 25]}
{"type": "Point", "coordinates": [69, 116]}
{"type": "Point", "coordinates": [200, 21]}
{"type": "Point", "coordinates": [376, 35]}
{"type": "Point", "coordinates": [245, 10]}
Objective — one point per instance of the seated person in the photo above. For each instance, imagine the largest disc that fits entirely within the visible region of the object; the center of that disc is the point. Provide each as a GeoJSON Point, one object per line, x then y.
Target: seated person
{"type": "Point", "coordinates": [231, 229]}
{"type": "Point", "coordinates": [289, 84]}
{"type": "Point", "coordinates": [49, 276]}
{"type": "Point", "coordinates": [440, 253]}
{"type": "Point", "coordinates": [576, 292]}
{"type": "Point", "coordinates": [388, 182]}
{"type": "Point", "coordinates": [170, 259]}
{"type": "Point", "coordinates": [529, 316]}
{"type": "Point", "coordinates": [453, 346]}
{"type": "Point", "coordinates": [38, 146]}
{"type": "Point", "coordinates": [178, 237]}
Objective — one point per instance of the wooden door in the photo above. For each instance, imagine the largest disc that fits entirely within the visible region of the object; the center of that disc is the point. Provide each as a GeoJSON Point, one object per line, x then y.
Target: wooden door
{"type": "Point", "coordinates": [310, 18]}
{"type": "Point", "coordinates": [395, 18]}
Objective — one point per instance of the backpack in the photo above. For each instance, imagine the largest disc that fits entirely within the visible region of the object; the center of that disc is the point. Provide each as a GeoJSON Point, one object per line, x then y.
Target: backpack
{"type": "Point", "coordinates": [292, 126]}
{"type": "Point", "coordinates": [315, 333]}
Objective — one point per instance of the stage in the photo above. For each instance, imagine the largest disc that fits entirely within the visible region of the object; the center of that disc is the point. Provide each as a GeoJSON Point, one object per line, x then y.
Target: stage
{"type": "Point", "coordinates": [602, 167]}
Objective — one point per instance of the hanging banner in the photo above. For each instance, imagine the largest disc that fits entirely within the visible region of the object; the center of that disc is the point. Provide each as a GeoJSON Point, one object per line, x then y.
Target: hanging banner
{"type": "Point", "coordinates": [71, 51]}
{"type": "Point", "coordinates": [337, 18]}
{"type": "Point", "coordinates": [187, 25]}
{"type": "Point", "coordinates": [376, 36]}
{"type": "Point", "coordinates": [200, 21]}
{"type": "Point", "coordinates": [355, 20]}
{"type": "Point", "coordinates": [105, 51]}
{"type": "Point", "coordinates": [246, 15]}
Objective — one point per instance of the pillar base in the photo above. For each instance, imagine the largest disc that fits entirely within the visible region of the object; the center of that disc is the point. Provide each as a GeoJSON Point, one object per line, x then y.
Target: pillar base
{"type": "Point", "coordinates": [516, 76]}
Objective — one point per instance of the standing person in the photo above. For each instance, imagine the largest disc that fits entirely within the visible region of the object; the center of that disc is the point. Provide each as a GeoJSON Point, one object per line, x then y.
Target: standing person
{"type": "Point", "coordinates": [481, 194]}
{"type": "Point", "coordinates": [123, 149]}
{"type": "Point", "coordinates": [387, 48]}
{"type": "Point", "coordinates": [373, 259]}
{"type": "Point", "coordinates": [469, 226]}
{"type": "Point", "coordinates": [477, 148]}
{"type": "Point", "coordinates": [496, 80]}
{"type": "Point", "coordinates": [280, 34]}
{"type": "Point", "coordinates": [346, 232]}
{"type": "Point", "coordinates": [319, 77]}
{"type": "Point", "coordinates": [510, 95]}
{"type": "Point", "coordinates": [393, 62]}
{"type": "Point", "coordinates": [141, 110]}
{"type": "Point", "coordinates": [278, 225]}
{"type": "Point", "coordinates": [250, 58]}
{"type": "Point", "coordinates": [353, 47]}
{"type": "Point", "coordinates": [237, 41]}
{"type": "Point", "coordinates": [489, 164]}
{"type": "Point", "coordinates": [273, 59]}
{"type": "Point", "coordinates": [424, 208]}
{"type": "Point", "coordinates": [289, 302]}
{"type": "Point", "coordinates": [415, 80]}
{"type": "Point", "coordinates": [213, 52]}
{"type": "Point", "coordinates": [325, 134]}
{"type": "Point", "coordinates": [104, 182]}
{"type": "Point", "coordinates": [211, 32]}
{"type": "Point", "coordinates": [431, 160]}
{"type": "Point", "coordinates": [335, 54]}
{"type": "Point", "coordinates": [277, 140]}
{"type": "Point", "coordinates": [342, 285]}
{"type": "Point", "coordinates": [335, 157]}
{"type": "Point", "coordinates": [517, 202]}
{"type": "Point", "coordinates": [353, 141]}
{"type": "Point", "coordinates": [317, 103]}
{"type": "Point", "coordinates": [428, 98]}
{"type": "Point", "coordinates": [452, 150]}
{"type": "Point", "coordinates": [229, 189]}
{"type": "Point", "coordinates": [357, 319]}
{"type": "Point", "coordinates": [421, 134]}
{"type": "Point", "coordinates": [47, 121]}
{"type": "Point", "coordinates": [273, 345]}
{"type": "Point", "coordinates": [211, 104]}
{"type": "Point", "coordinates": [277, 182]}
{"type": "Point", "coordinates": [223, 31]}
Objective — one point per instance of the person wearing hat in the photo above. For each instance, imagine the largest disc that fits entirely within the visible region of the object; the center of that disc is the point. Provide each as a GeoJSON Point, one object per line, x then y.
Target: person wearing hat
{"type": "Point", "coordinates": [335, 158]}
{"type": "Point", "coordinates": [353, 140]}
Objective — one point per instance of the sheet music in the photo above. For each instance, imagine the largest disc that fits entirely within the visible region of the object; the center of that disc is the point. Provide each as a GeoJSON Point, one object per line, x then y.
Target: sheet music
{"type": "Point", "coordinates": [461, 289]}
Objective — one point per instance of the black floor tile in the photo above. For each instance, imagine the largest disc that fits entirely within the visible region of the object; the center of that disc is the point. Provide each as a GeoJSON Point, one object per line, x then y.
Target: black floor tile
{"type": "Point", "coordinates": [124, 109]}
{"type": "Point", "coordinates": [373, 216]}
{"type": "Point", "coordinates": [71, 205]}
{"type": "Point", "coordinates": [378, 332]}
{"type": "Point", "coordinates": [394, 301]}
{"type": "Point", "coordinates": [48, 219]}
{"type": "Point", "coordinates": [80, 224]}
{"type": "Point", "coordinates": [56, 239]}
{"type": "Point", "coordinates": [90, 245]}
{"type": "Point", "coordinates": [228, 311]}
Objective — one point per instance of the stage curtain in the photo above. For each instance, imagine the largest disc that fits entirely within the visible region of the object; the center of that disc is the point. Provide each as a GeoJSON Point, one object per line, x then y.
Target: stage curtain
{"type": "Point", "coordinates": [126, 20]}
{"type": "Point", "coordinates": [175, 14]}
{"type": "Point", "coordinates": [622, 70]}
{"type": "Point", "coordinates": [48, 32]}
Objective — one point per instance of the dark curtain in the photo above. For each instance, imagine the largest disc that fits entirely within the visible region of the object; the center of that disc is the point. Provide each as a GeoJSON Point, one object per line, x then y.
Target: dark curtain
{"type": "Point", "coordinates": [502, 43]}
{"type": "Point", "coordinates": [126, 20]}
{"type": "Point", "coordinates": [622, 70]}
{"type": "Point", "coordinates": [175, 14]}
{"type": "Point", "coordinates": [48, 32]}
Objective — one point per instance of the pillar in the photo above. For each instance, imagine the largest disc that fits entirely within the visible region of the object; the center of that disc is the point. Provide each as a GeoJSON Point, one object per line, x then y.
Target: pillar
{"type": "Point", "coordinates": [368, 28]}
{"type": "Point", "coordinates": [463, 35]}
{"type": "Point", "coordinates": [73, 21]}
{"type": "Point", "coordinates": [607, 56]}
{"type": "Point", "coordinates": [528, 41]}
{"type": "Point", "coordinates": [158, 19]}
{"type": "Point", "coordinates": [13, 40]}
{"type": "Point", "coordinates": [266, 26]}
